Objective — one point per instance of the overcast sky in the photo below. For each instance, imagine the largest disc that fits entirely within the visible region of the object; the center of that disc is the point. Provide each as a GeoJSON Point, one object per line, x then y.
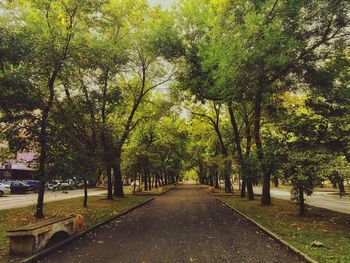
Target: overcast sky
{"type": "Point", "coordinates": [162, 3]}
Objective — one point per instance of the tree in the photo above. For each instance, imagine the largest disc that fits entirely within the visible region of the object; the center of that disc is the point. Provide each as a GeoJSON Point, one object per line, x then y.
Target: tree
{"type": "Point", "coordinates": [251, 48]}
{"type": "Point", "coordinates": [50, 28]}
{"type": "Point", "coordinates": [213, 118]}
{"type": "Point", "coordinates": [147, 71]}
{"type": "Point", "coordinates": [157, 148]}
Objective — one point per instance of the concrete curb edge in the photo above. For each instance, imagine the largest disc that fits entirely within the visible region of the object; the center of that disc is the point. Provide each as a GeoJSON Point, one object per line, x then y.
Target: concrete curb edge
{"type": "Point", "coordinates": [271, 234]}
{"type": "Point", "coordinates": [49, 250]}
{"type": "Point", "coordinates": [166, 191]}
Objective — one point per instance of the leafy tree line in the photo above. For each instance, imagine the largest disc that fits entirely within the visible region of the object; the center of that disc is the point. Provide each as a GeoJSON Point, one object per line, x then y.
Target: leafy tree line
{"type": "Point", "coordinates": [258, 88]}
{"type": "Point", "coordinates": [248, 57]}
{"type": "Point", "coordinates": [76, 79]}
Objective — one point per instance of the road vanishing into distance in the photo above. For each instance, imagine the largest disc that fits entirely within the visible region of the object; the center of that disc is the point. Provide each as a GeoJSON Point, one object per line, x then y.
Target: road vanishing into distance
{"type": "Point", "coordinates": [183, 225]}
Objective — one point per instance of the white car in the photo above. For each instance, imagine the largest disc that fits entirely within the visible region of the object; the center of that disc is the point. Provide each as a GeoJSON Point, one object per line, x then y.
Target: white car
{"type": "Point", "coordinates": [4, 189]}
{"type": "Point", "coordinates": [66, 185]}
{"type": "Point", "coordinates": [54, 185]}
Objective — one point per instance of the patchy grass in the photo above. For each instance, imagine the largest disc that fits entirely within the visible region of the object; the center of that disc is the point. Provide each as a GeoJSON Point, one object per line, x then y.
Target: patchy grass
{"type": "Point", "coordinates": [218, 192]}
{"type": "Point", "coordinates": [97, 211]}
{"type": "Point", "coordinates": [128, 190]}
{"type": "Point", "coordinates": [330, 228]}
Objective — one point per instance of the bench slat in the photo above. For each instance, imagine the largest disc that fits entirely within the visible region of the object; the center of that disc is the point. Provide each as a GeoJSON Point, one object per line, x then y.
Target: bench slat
{"type": "Point", "coordinates": [40, 224]}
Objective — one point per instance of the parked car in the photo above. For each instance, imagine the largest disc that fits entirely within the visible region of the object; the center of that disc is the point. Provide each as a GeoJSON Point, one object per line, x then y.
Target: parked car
{"type": "Point", "coordinates": [19, 187]}
{"type": "Point", "coordinates": [33, 185]}
{"type": "Point", "coordinates": [80, 184]}
{"type": "Point", "coordinates": [4, 189]}
{"type": "Point", "coordinates": [67, 185]}
{"type": "Point", "coordinates": [54, 185]}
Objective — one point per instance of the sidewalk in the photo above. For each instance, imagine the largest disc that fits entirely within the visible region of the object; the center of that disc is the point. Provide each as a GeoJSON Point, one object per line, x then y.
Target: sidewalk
{"type": "Point", "coordinates": [317, 199]}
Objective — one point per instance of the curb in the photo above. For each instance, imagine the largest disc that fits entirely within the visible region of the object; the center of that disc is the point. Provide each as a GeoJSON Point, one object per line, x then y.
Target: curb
{"type": "Point", "coordinates": [49, 250]}
{"type": "Point", "coordinates": [162, 193]}
{"type": "Point", "coordinates": [271, 234]}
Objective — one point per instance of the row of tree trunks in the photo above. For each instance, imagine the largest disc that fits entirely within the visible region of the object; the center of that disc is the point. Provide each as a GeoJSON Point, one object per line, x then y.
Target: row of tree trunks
{"type": "Point", "coordinates": [246, 183]}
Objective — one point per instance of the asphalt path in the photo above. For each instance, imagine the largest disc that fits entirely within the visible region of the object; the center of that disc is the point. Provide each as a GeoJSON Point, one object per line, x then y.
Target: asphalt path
{"type": "Point", "coordinates": [184, 225]}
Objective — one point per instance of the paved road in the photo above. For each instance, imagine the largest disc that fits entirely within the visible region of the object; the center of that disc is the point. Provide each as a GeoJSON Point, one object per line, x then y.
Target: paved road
{"type": "Point", "coordinates": [318, 199]}
{"type": "Point", "coordinates": [16, 200]}
{"type": "Point", "coordinates": [184, 225]}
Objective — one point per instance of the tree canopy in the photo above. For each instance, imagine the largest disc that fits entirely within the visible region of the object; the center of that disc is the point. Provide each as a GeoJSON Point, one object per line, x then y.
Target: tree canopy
{"type": "Point", "coordinates": [237, 92]}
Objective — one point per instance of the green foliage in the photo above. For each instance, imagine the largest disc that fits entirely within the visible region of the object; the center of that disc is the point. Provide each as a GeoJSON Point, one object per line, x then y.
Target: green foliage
{"type": "Point", "coordinates": [251, 170]}
{"type": "Point", "coordinates": [265, 85]}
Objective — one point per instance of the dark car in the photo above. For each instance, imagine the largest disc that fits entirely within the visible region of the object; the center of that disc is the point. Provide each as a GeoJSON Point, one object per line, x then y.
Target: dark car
{"type": "Point", "coordinates": [33, 185]}
{"type": "Point", "coordinates": [19, 187]}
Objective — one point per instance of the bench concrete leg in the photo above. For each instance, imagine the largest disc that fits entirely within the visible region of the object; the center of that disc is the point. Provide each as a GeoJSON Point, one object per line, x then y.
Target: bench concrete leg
{"type": "Point", "coordinates": [22, 245]}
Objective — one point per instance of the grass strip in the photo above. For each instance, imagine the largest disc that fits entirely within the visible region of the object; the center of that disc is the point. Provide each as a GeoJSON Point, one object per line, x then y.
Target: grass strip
{"type": "Point", "coordinates": [98, 210]}
{"type": "Point", "coordinates": [330, 228]}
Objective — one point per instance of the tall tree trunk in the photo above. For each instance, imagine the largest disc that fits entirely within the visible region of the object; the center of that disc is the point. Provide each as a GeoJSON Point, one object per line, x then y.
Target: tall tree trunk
{"type": "Point", "coordinates": [165, 179]}
{"type": "Point", "coordinates": [302, 208]}
{"type": "Point", "coordinates": [159, 181]}
{"type": "Point", "coordinates": [227, 169]}
{"type": "Point", "coordinates": [266, 197]}
{"type": "Point", "coordinates": [243, 189]}
{"type": "Point", "coordinates": [149, 180]}
{"type": "Point", "coordinates": [105, 144]}
{"type": "Point", "coordinates": [250, 191]}
{"type": "Point", "coordinates": [237, 140]}
{"type": "Point", "coordinates": [140, 182]}
{"type": "Point", "coordinates": [85, 192]}
{"type": "Point", "coordinates": [39, 213]}
{"type": "Point", "coordinates": [134, 188]}
{"type": "Point", "coordinates": [341, 187]}
{"type": "Point", "coordinates": [109, 182]}
{"type": "Point", "coordinates": [227, 175]}
{"type": "Point", "coordinates": [145, 180]}
{"type": "Point", "coordinates": [118, 179]}
{"type": "Point", "coordinates": [216, 185]}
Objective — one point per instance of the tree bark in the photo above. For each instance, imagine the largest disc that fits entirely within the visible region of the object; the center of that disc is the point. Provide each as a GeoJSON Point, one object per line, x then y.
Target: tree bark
{"type": "Point", "coordinates": [42, 165]}
{"type": "Point", "coordinates": [118, 180]}
{"type": "Point", "coordinates": [39, 213]}
{"type": "Point", "coordinates": [109, 183]}
{"type": "Point", "coordinates": [250, 191]}
{"type": "Point", "coordinates": [243, 189]}
{"type": "Point", "coordinates": [302, 208]}
{"type": "Point", "coordinates": [85, 193]}
{"type": "Point", "coordinates": [216, 185]}
{"type": "Point", "coordinates": [341, 187]}
{"type": "Point", "coordinates": [134, 188]}
{"type": "Point", "coordinates": [237, 140]}
{"type": "Point", "coordinates": [149, 180]}
{"type": "Point", "coordinates": [266, 197]}
{"type": "Point", "coordinates": [145, 180]}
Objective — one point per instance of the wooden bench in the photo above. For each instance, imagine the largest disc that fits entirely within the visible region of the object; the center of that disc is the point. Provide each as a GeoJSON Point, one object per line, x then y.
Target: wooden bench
{"type": "Point", "coordinates": [34, 237]}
